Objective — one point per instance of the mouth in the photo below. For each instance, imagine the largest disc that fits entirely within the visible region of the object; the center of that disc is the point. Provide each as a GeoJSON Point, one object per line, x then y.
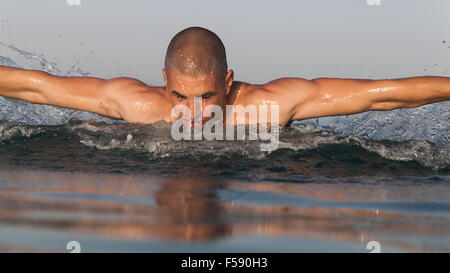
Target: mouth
{"type": "Point", "coordinates": [194, 123]}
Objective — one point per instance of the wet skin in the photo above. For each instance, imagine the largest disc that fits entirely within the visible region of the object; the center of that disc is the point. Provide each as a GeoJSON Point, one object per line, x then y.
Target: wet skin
{"type": "Point", "coordinates": [135, 102]}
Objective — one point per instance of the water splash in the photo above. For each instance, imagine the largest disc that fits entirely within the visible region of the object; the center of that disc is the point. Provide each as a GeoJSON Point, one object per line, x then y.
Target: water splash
{"type": "Point", "coordinates": [22, 112]}
{"type": "Point", "coordinates": [155, 140]}
{"type": "Point", "coordinates": [430, 122]}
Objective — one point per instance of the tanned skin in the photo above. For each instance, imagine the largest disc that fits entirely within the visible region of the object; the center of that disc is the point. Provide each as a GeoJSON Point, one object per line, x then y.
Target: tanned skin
{"type": "Point", "coordinates": [135, 102]}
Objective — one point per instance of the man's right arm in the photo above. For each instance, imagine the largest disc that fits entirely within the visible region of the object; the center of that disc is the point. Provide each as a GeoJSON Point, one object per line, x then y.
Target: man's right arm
{"type": "Point", "coordinates": [104, 97]}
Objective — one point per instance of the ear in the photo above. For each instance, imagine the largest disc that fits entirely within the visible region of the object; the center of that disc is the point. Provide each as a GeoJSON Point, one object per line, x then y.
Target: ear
{"type": "Point", "coordinates": [165, 76]}
{"type": "Point", "coordinates": [229, 81]}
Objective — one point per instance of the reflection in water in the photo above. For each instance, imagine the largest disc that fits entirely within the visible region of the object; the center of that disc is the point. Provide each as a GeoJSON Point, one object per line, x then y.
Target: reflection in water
{"type": "Point", "coordinates": [174, 208]}
{"type": "Point", "coordinates": [189, 209]}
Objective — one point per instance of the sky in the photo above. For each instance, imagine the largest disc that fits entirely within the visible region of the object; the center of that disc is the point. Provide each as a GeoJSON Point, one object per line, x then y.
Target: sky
{"type": "Point", "coordinates": [264, 40]}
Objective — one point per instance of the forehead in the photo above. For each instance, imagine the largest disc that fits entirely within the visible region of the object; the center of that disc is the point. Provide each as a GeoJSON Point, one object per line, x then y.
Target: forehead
{"type": "Point", "coordinates": [192, 85]}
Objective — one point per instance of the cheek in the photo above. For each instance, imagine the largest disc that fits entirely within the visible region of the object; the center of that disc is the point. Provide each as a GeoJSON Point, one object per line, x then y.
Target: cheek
{"type": "Point", "coordinates": [175, 101]}
{"type": "Point", "coordinates": [212, 101]}
{"type": "Point", "coordinates": [216, 100]}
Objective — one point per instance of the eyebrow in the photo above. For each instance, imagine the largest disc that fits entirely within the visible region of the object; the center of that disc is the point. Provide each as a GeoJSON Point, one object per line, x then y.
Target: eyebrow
{"type": "Point", "coordinates": [178, 94]}
{"type": "Point", "coordinates": [210, 93]}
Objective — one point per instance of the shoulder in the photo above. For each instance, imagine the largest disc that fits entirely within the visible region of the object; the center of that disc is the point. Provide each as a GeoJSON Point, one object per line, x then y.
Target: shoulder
{"type": "Point", "coordinates": [290, 84]}
{"type": "Point", "coordinates": [280, 89]}
{"type": "Point", "coordinates": [117, 84]}
{"type": "Point", "coordinates": [287, 93]}
{"type": "Point", "coordinates": [136, 101]}
{"type": "Point", "coordinates": [283, 85]}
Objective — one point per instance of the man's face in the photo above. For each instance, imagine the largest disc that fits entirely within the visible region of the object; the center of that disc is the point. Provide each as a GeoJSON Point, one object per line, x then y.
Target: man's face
{"type": "Point", "coordinates": [212, 89]}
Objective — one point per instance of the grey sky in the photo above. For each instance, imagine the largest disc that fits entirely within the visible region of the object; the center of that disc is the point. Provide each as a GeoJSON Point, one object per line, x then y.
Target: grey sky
{"type": "Point", "coordinates": [264, 39]}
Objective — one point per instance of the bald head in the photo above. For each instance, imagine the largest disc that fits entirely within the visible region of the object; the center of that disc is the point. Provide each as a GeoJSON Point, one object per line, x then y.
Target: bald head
{"type": "Point", "coordinates": [196, 51]}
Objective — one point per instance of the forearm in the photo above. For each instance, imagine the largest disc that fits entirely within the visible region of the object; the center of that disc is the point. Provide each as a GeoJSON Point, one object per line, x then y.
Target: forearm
{"type": "Point", "coordinates": [21, 84]}
{"type": "Point", "coordinates": [83, 93]}
{"type": "Point", "coordinates": [409, 92]}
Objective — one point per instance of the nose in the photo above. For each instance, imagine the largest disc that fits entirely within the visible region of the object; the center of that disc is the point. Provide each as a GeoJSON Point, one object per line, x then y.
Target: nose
{"type": "Point", "coordinates": [195, 106]}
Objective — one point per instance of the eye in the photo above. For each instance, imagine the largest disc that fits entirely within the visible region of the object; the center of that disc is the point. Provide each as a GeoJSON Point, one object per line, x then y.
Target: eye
{"type": "Point", "coordinates": [179, 97]}
{"type": "Point", "coordinates": [206, 97]}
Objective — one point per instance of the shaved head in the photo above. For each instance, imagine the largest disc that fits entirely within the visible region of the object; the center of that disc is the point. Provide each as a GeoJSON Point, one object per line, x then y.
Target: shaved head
{"type": "Point", "coordinates": [196, 51]}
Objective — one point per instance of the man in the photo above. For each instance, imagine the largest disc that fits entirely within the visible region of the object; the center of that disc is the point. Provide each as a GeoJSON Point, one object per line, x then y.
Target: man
{"type": "Point", "coordinates": [196, 66]}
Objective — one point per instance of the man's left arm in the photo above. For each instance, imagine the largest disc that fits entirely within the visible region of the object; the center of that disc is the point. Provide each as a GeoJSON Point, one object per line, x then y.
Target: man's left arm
{"type": "Point", "coordinates": [334, 96]}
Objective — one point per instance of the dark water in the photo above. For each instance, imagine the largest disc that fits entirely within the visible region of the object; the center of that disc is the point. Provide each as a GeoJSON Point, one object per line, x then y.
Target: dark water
{"type": "Point", "coordinates": [93, 183]}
